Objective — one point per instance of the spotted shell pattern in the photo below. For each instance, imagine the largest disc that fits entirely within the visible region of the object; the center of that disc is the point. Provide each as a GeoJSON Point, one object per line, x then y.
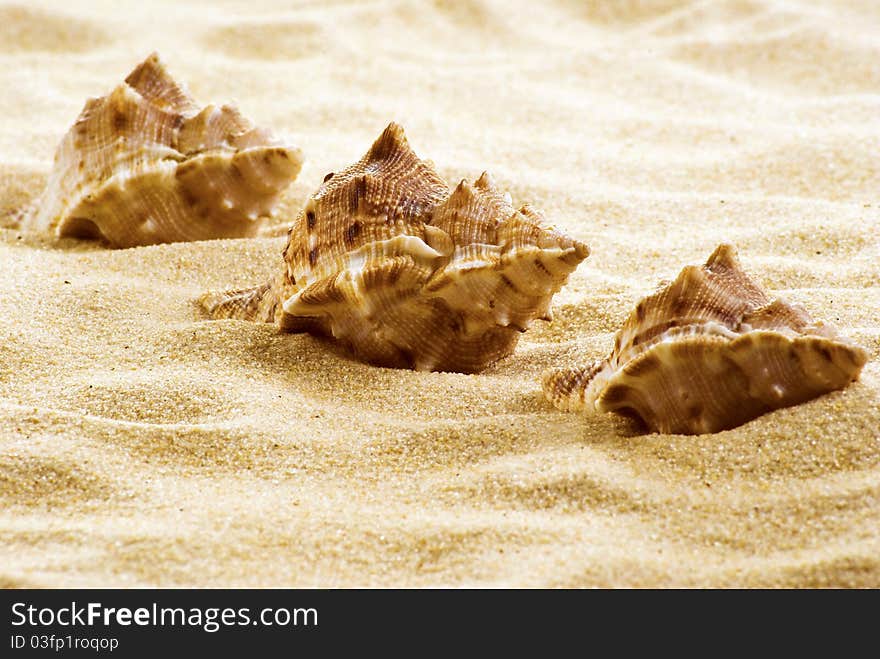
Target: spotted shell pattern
{"type": "Point", "coordinates": [709, 352]}
{"type": "Point", "coordinates": [384, 259]}
{"type": "Point", "coordinates": [146, 165]}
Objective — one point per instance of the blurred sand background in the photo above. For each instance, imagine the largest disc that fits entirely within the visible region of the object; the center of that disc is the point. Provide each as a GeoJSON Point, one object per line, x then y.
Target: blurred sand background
{"type": "Point", "coordinates": [143, 446]}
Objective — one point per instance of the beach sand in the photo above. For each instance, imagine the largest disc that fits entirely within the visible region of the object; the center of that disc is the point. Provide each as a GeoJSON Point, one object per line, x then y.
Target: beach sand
{"type": "Point", "coordinates": [141, 445]}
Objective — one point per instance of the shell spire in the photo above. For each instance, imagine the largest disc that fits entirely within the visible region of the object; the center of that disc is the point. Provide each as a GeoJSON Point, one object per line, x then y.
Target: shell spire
{"type": "Point", "coordinates": [384, 259]}
{"type": "Point", "coordinates": [154, 83]}
{"type": "Point", "coordinates": [145, 164]}
{"type": "Point", "coordinates": [708, 352]}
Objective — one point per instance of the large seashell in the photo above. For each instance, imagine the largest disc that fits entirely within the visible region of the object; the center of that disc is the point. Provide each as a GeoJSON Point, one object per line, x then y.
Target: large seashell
{"type": "Point", "coordinates": [145, 165]}
{"type": "Point", "coordinates": [709, 352]}
{"type": "Point", "coordinates": [385, 260]}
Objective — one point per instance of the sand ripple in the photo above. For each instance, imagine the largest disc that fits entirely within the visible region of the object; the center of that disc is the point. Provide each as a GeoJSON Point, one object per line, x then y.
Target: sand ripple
{"type": "Point", "coordinates": [141, 445]}
{"type": "Point", "coordinates": [23, 29]}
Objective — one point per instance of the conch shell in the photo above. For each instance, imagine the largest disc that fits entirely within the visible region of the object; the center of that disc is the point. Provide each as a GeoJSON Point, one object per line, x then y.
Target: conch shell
{"type": "Point", "coordinates": [386, 261]}
{"type": "Point", "coordinates": [145, 165]}
{"type": "Point", "coordinates": [709, 352]}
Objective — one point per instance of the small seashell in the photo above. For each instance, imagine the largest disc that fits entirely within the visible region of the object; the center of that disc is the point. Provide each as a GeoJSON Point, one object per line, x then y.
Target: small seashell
{"type": "Point", "coordinates": [385, 260]}
{"type": "Point", "coordinates": [708, 352]}
{"type": "Point", "coordinates": [146, 165]}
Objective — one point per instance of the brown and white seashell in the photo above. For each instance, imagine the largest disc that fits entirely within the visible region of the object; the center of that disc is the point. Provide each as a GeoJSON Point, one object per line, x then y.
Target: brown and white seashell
{"type": "Point", "coordinates": [386, 260]}
{"type": "Point", "coordinates": [145, 165]}
{"type": "Point", "coordinates": [709, 352]}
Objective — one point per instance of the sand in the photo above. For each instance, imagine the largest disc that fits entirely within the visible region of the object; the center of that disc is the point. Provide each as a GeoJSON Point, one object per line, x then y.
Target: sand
{"type": "Point", "coordinates": [141, 445]}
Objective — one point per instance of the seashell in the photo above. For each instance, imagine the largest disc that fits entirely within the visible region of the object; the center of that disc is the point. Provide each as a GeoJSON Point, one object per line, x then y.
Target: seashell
{"type": "Point", "coordinates": [387, 261]}
{"type": "Point", "coordinates": [709, 352]}
{"type": "Point", "coordinates": [146, 165]}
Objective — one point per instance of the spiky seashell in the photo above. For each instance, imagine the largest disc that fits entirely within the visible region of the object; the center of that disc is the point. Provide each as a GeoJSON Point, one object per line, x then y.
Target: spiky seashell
{"type": "Point", "coordinates": [709, 352]}
{"type": "Point", "coordinates": [146, 165]}
{"type": "Point", "coordinates": [385, 260]}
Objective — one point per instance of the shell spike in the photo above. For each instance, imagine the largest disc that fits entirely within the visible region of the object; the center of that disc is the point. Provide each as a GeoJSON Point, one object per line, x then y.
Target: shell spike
{"type": "Point", "coordinates": [724, 256]}
{"type": "Point", "coordinates": [152, 80]}
{"type": "Point", "coordinates": [392, 139]}
{"type": "Point", "coordinates": [485, 182]}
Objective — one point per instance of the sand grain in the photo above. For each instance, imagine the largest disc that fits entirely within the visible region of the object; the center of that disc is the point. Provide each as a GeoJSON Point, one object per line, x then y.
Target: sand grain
{"type": "Point", "coordinates": [143, 446]}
